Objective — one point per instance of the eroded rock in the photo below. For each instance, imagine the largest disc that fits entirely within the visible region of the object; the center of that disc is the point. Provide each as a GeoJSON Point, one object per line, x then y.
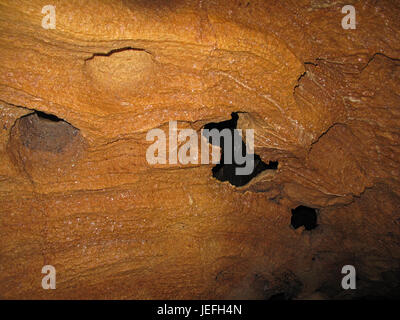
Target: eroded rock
{"type": "Point", "coordinates": [78, 193]}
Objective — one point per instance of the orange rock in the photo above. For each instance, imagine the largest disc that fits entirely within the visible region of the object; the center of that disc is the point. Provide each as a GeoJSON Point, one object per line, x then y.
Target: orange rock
{"type": "Point", "coordinates": [78, 193]}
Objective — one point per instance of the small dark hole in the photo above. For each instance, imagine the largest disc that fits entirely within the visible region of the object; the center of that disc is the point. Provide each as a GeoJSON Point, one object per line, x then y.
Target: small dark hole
{"type": "Point", "coordinates": [304, 216]}
{"type": "Point", "coordinates": [227, 171]}
{"type": "Point", "coordinates": [47, 116]}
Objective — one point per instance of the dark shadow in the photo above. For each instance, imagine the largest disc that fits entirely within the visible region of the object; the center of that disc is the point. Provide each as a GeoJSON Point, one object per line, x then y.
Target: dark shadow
{"type": "Point", "coordinates": [46, 116]}
{"type": "Point", "coordinates": [304, 216]}
{"type": "Point", "coordinates": [225, 171]}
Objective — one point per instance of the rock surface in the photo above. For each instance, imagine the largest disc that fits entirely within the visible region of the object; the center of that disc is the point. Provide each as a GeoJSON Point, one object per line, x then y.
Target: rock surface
{"type": "Point", "coordinates": [76, 191]}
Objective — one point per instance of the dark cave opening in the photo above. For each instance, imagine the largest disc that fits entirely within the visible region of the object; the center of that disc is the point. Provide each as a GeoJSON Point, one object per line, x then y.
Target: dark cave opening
{"type": "Point", "coordinates": [226, 169]}
{"type": "Point", "coordinates": [43, 145]}
{"type": "Point", "coordinates": [304, 216]}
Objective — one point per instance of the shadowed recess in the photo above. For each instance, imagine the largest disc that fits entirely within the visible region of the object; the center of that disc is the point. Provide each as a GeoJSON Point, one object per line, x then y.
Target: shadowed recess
{"type": "Point", "coordinates": [304, 216]}
{"type": "Point", "coordinates": [224, 171]}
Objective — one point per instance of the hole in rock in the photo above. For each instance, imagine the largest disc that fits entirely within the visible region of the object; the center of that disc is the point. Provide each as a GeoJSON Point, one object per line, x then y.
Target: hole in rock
{"type": "Point", "coordinates": [46, 116]}
{"type": "Point", "coordinates": [40, 131]}
{"type": "Point", "coordinates": [304, 216]}
{"type": "Point", "coordinates": [226, 169]}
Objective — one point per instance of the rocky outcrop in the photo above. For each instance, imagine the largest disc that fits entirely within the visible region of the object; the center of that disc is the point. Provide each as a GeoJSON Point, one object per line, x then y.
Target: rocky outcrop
{"type": "Point", "coordinates": [76, 191]}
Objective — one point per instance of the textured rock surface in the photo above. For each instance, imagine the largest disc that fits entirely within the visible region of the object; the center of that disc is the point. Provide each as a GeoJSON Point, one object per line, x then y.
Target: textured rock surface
{"type": "Point", "coordinates": [78, 194]}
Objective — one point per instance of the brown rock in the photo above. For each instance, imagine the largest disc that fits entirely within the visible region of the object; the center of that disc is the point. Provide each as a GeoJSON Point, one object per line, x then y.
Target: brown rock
{"type": "Point", "coordinates": [76, 191]}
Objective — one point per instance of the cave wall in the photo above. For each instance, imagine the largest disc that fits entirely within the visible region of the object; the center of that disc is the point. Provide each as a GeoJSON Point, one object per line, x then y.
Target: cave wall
{"type": "Point", "coordinates": [76, 191]}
